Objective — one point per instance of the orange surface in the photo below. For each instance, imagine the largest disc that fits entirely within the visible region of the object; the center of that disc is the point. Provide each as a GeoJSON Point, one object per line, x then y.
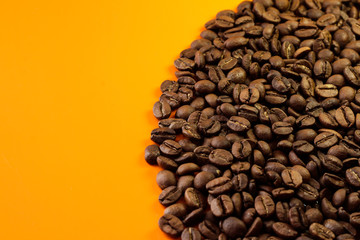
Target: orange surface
{"type": "Point", "coordinates": [78, 81]}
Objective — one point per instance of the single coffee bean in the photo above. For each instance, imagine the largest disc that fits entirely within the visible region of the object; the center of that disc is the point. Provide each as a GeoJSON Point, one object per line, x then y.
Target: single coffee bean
{"type": "Point", "coordinates": [171, 225]}
{"type": "Point", "coordinates": [222, 206]}
{"type": "Point", "coordinates": [219, 185]}
{"type": "Point", "coordinates": [282, 128]}
{"type": "Point", "coordinates": [159, 135]}
{"type": "Point", "coordinates": [234, 227]}
{"type": "Point", "coordinates": [238, 124]}
{"type": "Point", "coordinates": [190, 234]}
{"type": "Point", "coordinates": [284, 230]}
{"type": "Point", "coordinates": [151, 154]}
{"type": "Point", "coordinates": [345, 116]}
{"type": "Point", "coordinates": [264, 206]}
{"type": "Point", "coordinates": [169, 195]}
{"type": "Point", "coordinates": [326, 90]}
{"type": "Point", "coordinates": [325, 140]}
{"type": "Point", "coordinates": [353, 176]}
{"type": "Point", "coordinates": [221, 157]}
{"type": "Point", "coordinates": [291, 178]}
{"type": "Point", "coordinates": [321, 232]}
{"type": "Point", "coordinates": [307, 192]}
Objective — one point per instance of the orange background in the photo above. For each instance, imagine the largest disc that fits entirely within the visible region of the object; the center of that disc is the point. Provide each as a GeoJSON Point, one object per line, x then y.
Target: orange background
{"type": "Point", "coordinates": [78, 82]}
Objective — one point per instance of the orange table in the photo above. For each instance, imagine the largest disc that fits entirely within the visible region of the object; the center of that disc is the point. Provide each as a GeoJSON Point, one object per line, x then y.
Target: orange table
{"type": "Point", "coordinates": [78, 82]}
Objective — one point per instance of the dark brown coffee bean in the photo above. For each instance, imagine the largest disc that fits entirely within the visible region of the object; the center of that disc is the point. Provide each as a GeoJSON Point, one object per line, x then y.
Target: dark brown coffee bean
{"type": "Point", "coordinates": [314, 215]}
{"type": "Point", "coordinates": [352, 76]}
{"type": "Point", "coordinates": [233, 227]}
{"type": "Point", "coordinates": [345, 116]}
{"type": "Point", "coordinates": [275, 98]}
{"type": "Point", "coordinates": [302, 147]}
{"type": "Point", "coordinates": [219, 185]}
{"type": "Point", "coordinates": [190, 234]}
{"type": "Point", "coordinates": [221, 157]}
{"type": "Point", "coordinates": [170, 195]}
{"type": "Point", "coordinates": [321, 232]}
{"type": "Point", "coordinates": [264, 206]}
{"type": "Point", "coordinates": [249, 95]}
{"type": "Point", "coordinates": [170, 147]}
{"type": "Point", "coordinates": [282, 128]}
{"type": "Point", "coordinates": [325, 140]}
{"type": "Point", "coordinates": [238, 124]}
{"type": "Point", "coordinates": [322, 69]}
{"type": "Point", "coordinates": [171, 225]}
{"type": "Point", "coordinates": [193, 198]}
{"type": "Point", "coordinates": [227, 63]}
{"type": "Point", "coordinates": [307, 192]}
{"type": "Point", "coordinates": [353, 176]}
{"type": "Point", "coordinates": [298, 218]}
{"type": "Point", "coordinates": [291, 178]}
{"type": "Point", "coordinates": [326, 90]}
{"type": "Point", "coordinates": [222, 206]}
{"type": "Point", "coordinates": [284, 230]}
{"type": "Point", "coordinates": [241, 149]}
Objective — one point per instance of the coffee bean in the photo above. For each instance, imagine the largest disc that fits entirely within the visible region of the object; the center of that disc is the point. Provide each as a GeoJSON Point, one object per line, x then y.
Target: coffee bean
{"type": "Point", "coordinates": [326, 90]}
{"type": "Point", "coordinates": [284, 230]}
{"type": "Point", "coordinates": [291, 178]}
{"type": "Point", "coordinates": [352, 76]}
{"type": "Point", "coordinates": [221, 157]}
{"type": "Point", "coordinates": [159, 135]}
{"type": "Point", "coordinates": [193, 198]}
{"type": "Point", "coordinates": [222, 206]}
{"type": "Point", "coordinates": [264, 206]}
{"type": "Point", "coordinates": [219, 185]}
{"type": "Point", "coordinates": [238, 124]}
{"type": "Point", "coordinates": [322, 69]}
{"type": "Point", "coordinates": [190, 234]}
{"type": "Point", "coordinates": [353, 176]}
{"type": "Point", "coordinates": [345, 116]}
{"type": "Point", "coordinates": [282, 128]}
{"type": "Point", "coordinates": [169, 195]}
{"type": "Point", "coordinates": [263, 121]}
{"type": "Point", "coordinates": [321, 232]}
{"type": "Point", "coordinates": [298, 218]}
{"type": "Point", "coordinates": [307, 192]}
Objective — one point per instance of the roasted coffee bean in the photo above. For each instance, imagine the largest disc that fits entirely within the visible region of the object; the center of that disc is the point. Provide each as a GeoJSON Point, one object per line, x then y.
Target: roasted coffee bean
{"type": "Point", "coordinates": [326, 90]}
{"type": "Point", "coordinates": [221, 157]}
{"type": "Point", "coordinates": [190, 234]}
{"type": "Point", "coordinates": [159, 135]}
{"type": "Point", "coordinates": [345, 116]}
{"type": "Point", "coordinates": [238, 124]}
{"type": "Point", "coordinates": [321, 232]}
{"type": "Point", "coordinates": [331, 163]}
{"type": "Point", "coordinates": [151, 154]}
{"type": "Point", "coordinates": [193, 198]}
{"type": "Point", "coordinates": [263, 125]}
{"type": "Point", "coordinates": [307, 192]}
{"type": "Point", "coordinates": [284, 230]}
{"type": "Point", "coordinates": [169, 195]}
{"type": "Point", "coordinates": [325, 140]}
{"type": "Point", "coordinates": [233, 227]}
{"type": "Point", "coordinates": [353, 176]}
{"type": "Point", "coordinates": [282, 128]}
{"type": "Point", "coordinates": [219, 185]}
{"type": "Point", "coordinates": [170, 147]}
{"type": "Point", "coordinates": [222, 206]}
{"type": "Point", "coordinates": [171, 225]}
{"type": "Point", "coordinates": [291, 178]}
{"type": "Point", "coordinates": [264, 206]}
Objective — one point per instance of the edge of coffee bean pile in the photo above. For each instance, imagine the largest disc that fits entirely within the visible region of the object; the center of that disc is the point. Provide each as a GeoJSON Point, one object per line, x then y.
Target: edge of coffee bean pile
{"type": "Point", "coordinates": [259, 136]}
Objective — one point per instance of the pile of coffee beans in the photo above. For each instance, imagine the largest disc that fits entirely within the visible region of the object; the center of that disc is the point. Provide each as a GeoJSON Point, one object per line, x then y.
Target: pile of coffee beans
{"type": "Point", "coordinates": [259, 137]}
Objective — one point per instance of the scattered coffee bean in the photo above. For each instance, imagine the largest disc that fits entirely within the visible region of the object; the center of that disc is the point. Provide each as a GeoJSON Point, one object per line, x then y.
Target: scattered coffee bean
{"type": "Point", "coordinates": [259, 137]}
